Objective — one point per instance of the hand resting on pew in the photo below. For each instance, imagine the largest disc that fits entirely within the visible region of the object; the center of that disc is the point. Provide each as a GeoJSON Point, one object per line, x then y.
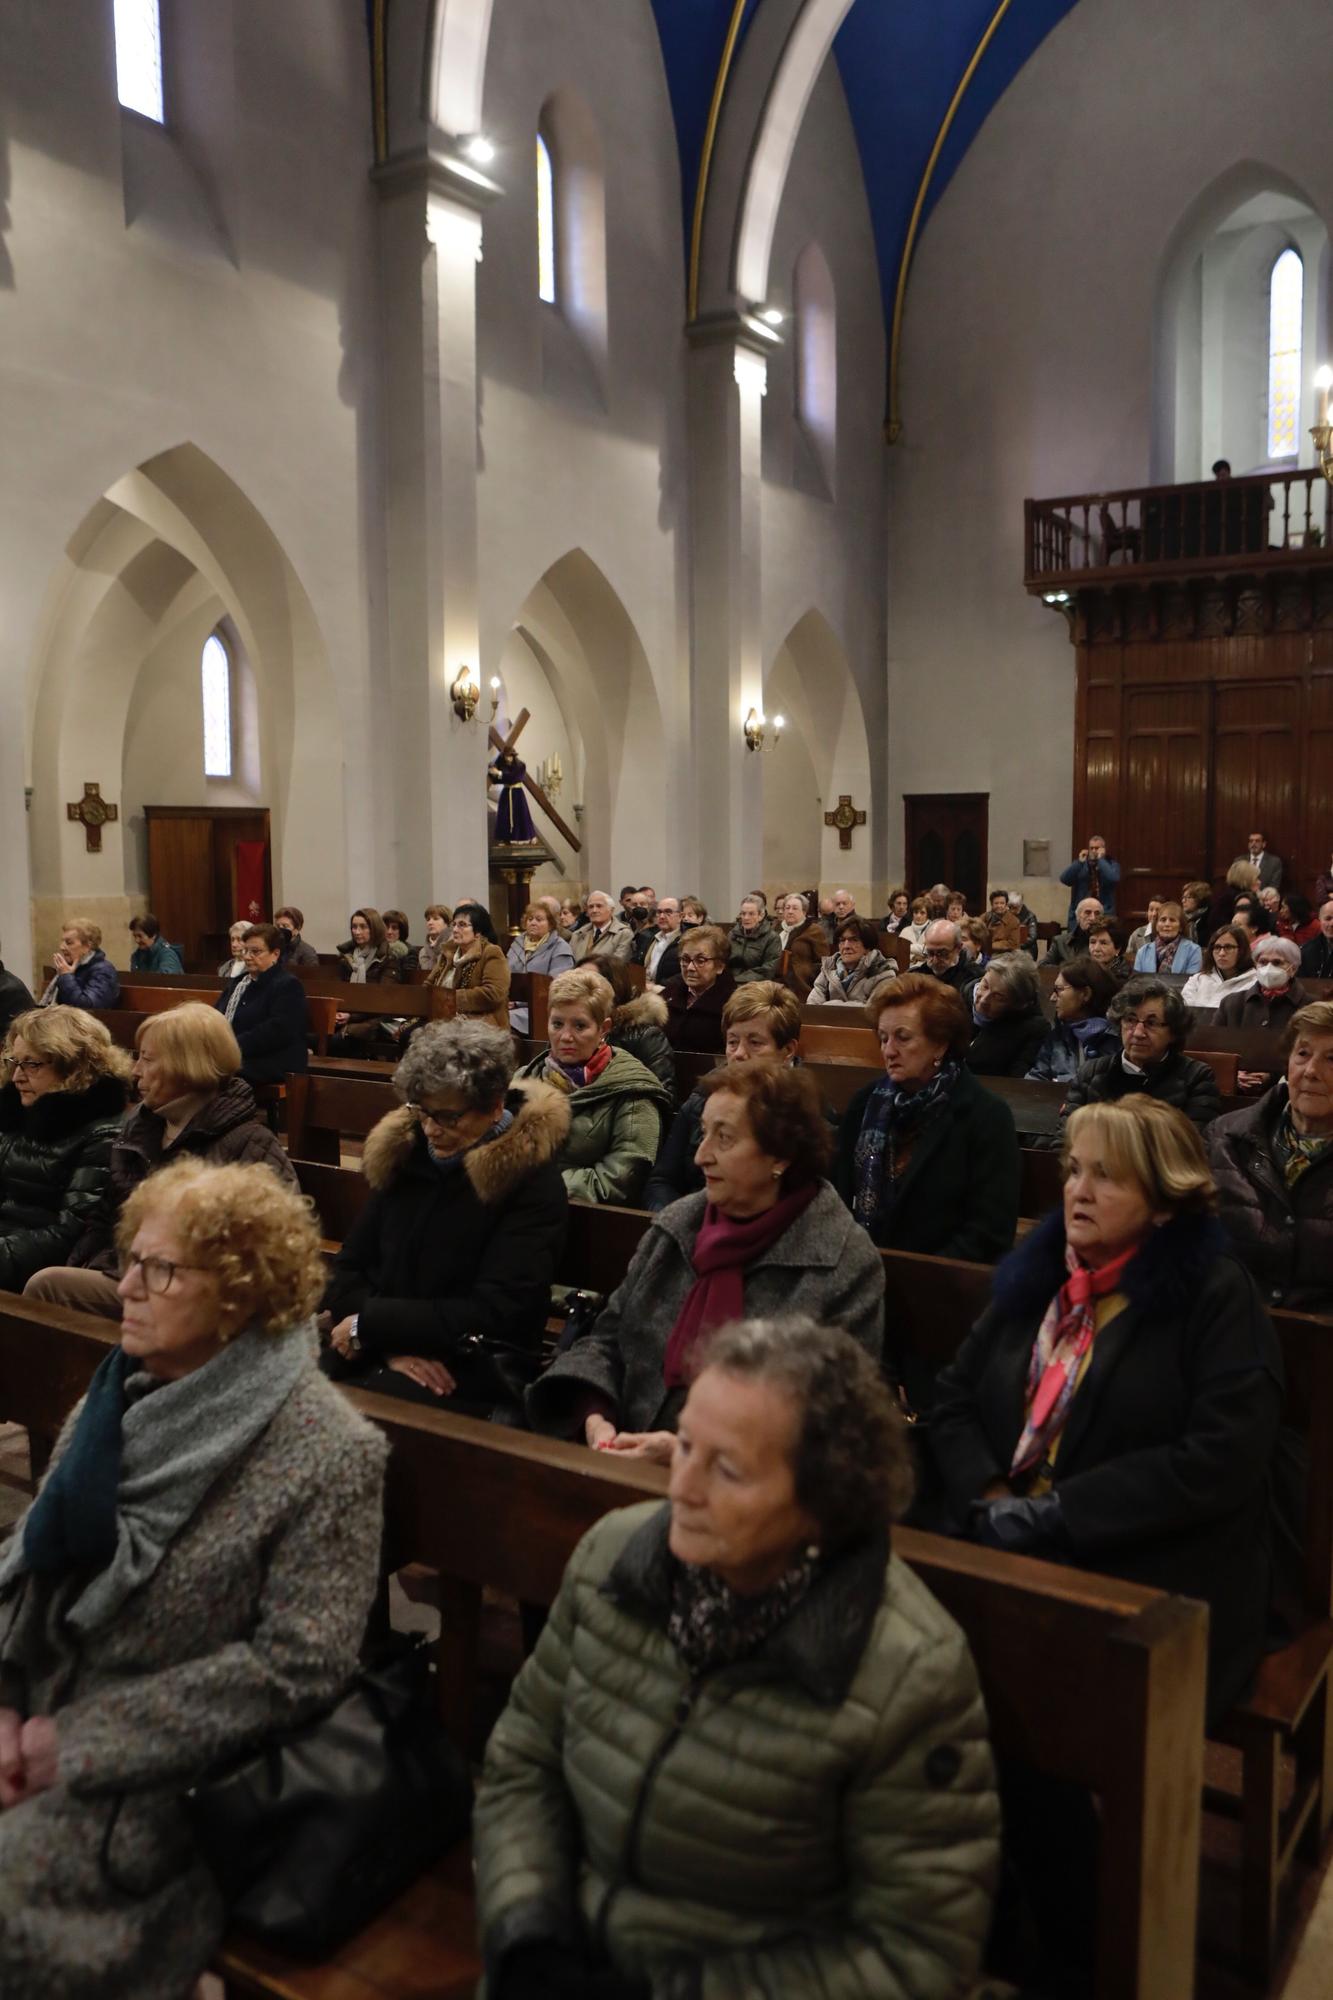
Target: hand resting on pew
{"type": "Point", "coordinates": [657, 1446]}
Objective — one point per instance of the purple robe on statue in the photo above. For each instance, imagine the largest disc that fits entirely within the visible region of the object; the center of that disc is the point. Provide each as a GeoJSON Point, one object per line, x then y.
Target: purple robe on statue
{"type": "Point", "coordinates": [513, 821]}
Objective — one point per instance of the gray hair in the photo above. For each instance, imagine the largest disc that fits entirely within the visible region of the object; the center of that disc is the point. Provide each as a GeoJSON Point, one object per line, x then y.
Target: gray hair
{"type": "Point", "coordinates": [1135, 992]}
{"type": "Point", "coordinates": [852, 1464]}
{"type": "Point", "coordinates": [945, 924]}
{"type": "Point", "coordinates": [1014, 973]}
{"type": "Point", "coordinates": [469, 1057]}
{"type": "Point", "coordinates": [1286, 948]}
{"type": "Point", "coordinates": [795, 896]}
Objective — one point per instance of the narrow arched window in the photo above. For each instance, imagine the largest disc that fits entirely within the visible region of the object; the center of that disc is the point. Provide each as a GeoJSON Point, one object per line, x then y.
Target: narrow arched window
{"type": "Point", "coordinates": [216, 676]}
{"type": "Point", "coordinates": [139, 58]}
{"type": "Point", "coordinates": [815, 311]}
{"type": "Point", "coordinates": [1286, 296]}
{"type": "Point", "coordinates": [545, 224]}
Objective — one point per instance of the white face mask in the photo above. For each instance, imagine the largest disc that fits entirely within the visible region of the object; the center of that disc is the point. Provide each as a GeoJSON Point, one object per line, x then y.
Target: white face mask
{"type": "Point", "coordinates": [1271, 974]}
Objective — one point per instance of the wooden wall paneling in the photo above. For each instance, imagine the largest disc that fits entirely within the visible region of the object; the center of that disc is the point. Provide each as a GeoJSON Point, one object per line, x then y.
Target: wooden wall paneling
{"type": "Point", "coordinates": [1099, 768]}
{"type": "Point", "coordinates": [1166, 745]}
{"type": "Point", "coordinates": [180, 867]}
{"type": "Point", "coordinates": [1256, 768]}
{"type": "Point", "coordinates": [1317, 780]}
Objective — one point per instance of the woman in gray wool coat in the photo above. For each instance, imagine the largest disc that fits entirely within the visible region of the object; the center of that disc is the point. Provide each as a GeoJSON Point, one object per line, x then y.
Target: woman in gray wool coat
{"type": "Point", "coordinates": [194, 1576]}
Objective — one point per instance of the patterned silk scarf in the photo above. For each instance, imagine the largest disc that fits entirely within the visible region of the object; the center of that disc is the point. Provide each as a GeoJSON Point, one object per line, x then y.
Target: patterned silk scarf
{"type": "Point", "coordinates": [1294, 1154]}
{"type": "Point", "coordinates": [893, 1118]}
{"type": "Point", "coordinates": [711, 1625]}
{"type": "Point", "coordinates": [1063, 1338]}
{"type": "Point", "coordinates": [570, 1077]}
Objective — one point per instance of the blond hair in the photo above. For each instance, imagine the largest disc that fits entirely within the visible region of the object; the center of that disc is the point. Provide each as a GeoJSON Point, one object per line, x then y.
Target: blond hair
{"type": "Point", "coordinates": [193, 1043]}
{"type": "Point", "coordinates": [711, 935]}
{"type": "Point", "coordinates": [585, 987]}
{"type": "Point", "coordinates": [774, 1007]}
{"type": "Point", "coordinates": [75, 1041]}
{"type": "Point", "coordinates": [1140, 1139]}
{"type": "Point", "coordinates": [255, 1234]}
{"type": "Point", "coordinates": [90, 932]}
{"type": "Point", "coordinates": [1314, 1019]}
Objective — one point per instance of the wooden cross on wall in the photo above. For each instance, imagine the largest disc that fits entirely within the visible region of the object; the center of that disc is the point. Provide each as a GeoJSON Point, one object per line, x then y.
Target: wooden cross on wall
{"type": "Point", "coordinates": [507, 743]}
{"type": "Point", "coordinates": [845, 816]}
{"type": "Point", "coordinates": [94, 813]}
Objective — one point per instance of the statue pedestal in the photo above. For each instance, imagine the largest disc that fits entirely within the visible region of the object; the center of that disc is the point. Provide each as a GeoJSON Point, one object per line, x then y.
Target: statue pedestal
{"type": "Point", "coordinates": [513, 867]}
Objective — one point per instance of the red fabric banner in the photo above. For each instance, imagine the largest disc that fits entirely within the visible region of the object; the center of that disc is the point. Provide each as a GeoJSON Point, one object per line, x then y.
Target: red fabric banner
{"type": "Point", "coordinates": [250, 880]}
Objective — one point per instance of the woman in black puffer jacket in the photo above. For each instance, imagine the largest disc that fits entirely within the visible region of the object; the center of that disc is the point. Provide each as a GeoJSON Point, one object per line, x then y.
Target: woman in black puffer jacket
{"type": "Point", "coordinates": [61, 1104]}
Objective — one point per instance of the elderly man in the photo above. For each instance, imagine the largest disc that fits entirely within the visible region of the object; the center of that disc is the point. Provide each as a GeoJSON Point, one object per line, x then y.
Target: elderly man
{"type": "Point", "coordinates": [842, 906]}
{"type": "Point", "coordinates": [1268, 865]}
{"type": "Point", "coordinates": [943, 946]}
{"type": "Point", "coordinates": [658, 950]}
{"type": "Point", "coordinates": [1092, 874]}
{"type": "Point", "coordinates": [603, 936]}
{"type": "Point", "coordinates": [1317, 955]}
{"type": "Point", "coordinates": [1073, 943]}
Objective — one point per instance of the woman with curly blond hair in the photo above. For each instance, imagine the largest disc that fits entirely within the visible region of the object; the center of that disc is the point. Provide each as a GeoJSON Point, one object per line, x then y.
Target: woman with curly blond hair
{"type": "Point", "coordinates": [62, 1097]}
{"type": "Point", "coordinates": [194, 1577]}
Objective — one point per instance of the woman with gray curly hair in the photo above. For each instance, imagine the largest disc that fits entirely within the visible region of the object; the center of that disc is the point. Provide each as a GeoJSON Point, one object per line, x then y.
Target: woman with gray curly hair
{"type": "Point", "coordinates": [746, 1706]}
{"type": "Point", "coordinates": [1006, 1015]}
{"type": "Point", "coordinates": [442, 1288]}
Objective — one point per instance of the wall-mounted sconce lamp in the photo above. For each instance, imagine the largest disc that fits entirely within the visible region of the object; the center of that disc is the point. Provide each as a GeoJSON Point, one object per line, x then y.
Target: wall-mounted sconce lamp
{"type": "Point", "coordinates": [495, 694]}
{"type": "Point", "coordinates": [755, 730]}
{"type": "Point", "coordinates": [464, 694]}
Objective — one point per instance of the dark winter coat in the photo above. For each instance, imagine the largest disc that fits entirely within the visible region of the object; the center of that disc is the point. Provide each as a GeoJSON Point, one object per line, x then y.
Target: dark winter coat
{"type": "Point", "coordinates": [965, 973]}
{"type": "Point", "coordinates": [1283, 1235]}
{"type": "Point", "coordinates": [1177, 1079]}
{"type": "Point", "coordinates": [823, 1265]}
{"type": "Point", "coordinates": [698, 1030]}
{"type": "Point", "coordinates": [1163, 1464]}
{"type": "Point", "coordinates": [295, 951]}
{"type": "Point", "coordinates": [668, 965]}
{"type": "Point", "coordinates": [1317, 958]}
{"type": "Point", "coordinates": [94, 982]}
{"type": "Point", "coordinates": [639, 1028]}
{"type": "Point", "coordinates": [227, 1131]}
{"type": "Point", "coordinates": [1009, 1045]}
{"type": "Point", "coordinates": [1068, 945]}
{"type": "Point", "coordinates": [55, 1173]}
{"type": "Point", "coordinates": [1062, 1054]}
{"type": "Point", "coordinates": [15, 999]}
{"type": "Point", "coordinates": [755, 954]}
{"type": "Point", "coordinates": [806, 950]}
{"type": "Point", "coordinates": [270, 1023]}
{"type": "Point", "coordinates": [1253, 1013]}
{"type": "Point", "coordinates": [674, 1173]}
{"type": "Point", "coordinates": [439, 1255]}
{"type": "Point", "coordinates": [159, 956]}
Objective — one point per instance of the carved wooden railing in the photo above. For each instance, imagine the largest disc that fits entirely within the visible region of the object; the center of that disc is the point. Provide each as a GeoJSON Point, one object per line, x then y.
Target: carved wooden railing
{"type": "Point", "coordinates": [1217, 525]}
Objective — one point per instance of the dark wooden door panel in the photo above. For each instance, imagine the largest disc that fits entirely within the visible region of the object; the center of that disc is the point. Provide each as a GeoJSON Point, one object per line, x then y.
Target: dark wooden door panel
{"type": "Point", "coordinates": [947, 839]}
{"type": "Point", "coordinates": [1257, 763]}
{"type": "Point", "coordinates": [1166, 790]}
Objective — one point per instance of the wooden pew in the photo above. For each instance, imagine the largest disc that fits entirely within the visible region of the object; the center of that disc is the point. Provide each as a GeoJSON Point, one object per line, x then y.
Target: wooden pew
{"type": "Point", "coordinates": [159, 993]}
{"type": "Point", "coordinates": [1052, 1646]}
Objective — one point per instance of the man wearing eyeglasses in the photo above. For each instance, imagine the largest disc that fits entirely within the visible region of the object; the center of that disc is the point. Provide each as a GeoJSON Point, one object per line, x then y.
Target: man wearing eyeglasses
{"type": "Point", "coordinates": [658, 950]}
{"type": "Point", "coordinates": [265, 1008]}
{"type": "Point", "coordinates": [943, 947]}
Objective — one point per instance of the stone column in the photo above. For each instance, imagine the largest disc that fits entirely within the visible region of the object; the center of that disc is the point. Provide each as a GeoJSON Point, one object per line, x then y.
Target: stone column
{"type": "Point", "coordinates": [430, 234]}
{"type": "Point", "coordinates": [727, 379]}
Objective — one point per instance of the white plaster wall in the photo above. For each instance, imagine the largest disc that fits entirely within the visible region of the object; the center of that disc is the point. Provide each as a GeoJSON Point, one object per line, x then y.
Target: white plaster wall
{"type": "Point", "coordinates": [1028, 364]}
{"type": "Point", "coordinates": [212, 283]}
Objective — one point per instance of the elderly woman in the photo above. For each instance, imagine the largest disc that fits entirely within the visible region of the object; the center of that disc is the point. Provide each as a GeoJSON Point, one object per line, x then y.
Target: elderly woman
{"type": "Point", "coordinates": [1242, 879]}
{"type": "Point", "coordinates": [571, 915]}
{"type": "Point", "coordinates": [898, 911]}
{"type": "Point", "coordinates": [1227, 968]}
{"type": "Point", "coordinates": [928, 1158]}
{"type": "Point", "coordinates": [617, 1106]}
{"type": "Point", "coordinates": [474, 968]}
{"type": "Point", "coordinates": [151, 951]}
{"type": "Point", "coordinates": [1196, 901]}
{"type": "Point", "coordinates": [1152, 1021]}
{"type": "Point", "coordinates": [1273, 1162]}
{"type": "Point", "coordinates": [1117, 1405]}
{"type": "Point", "coordinates": [762, 1023]}
{"type": "Point", "coordinates": [296, 953]}
{"type": "Point", "coordinates": [84, 976]}
{"type": "Point", "coordinates": [1009, 1025]}
{"type": "Point", "coordinates": [767, 1234]}
{"type": "Point", "coordinates": [828, 1821]}
{"type": "Point", "coordinates": [915, 932]}
{"type": "Point", "coordinates": [62, 1097]}
{"type": "Point", "coordinates": [193, 1104]}
{"type": "Point", "coordinates": [1296, 919]}
{"type": "Point", "coordinates": [194, 1576]}
{"type": "Point", "coordinates": [696, 998]}
{"type": "Point", "coordinates": [693, 913]}
{"type": "Point", "coordinates": [1168, 949]}
{"type": "Point", "coordinates": [804, 943]}
{"type": "Point", "coordinates": [538, 947]}
{"type": "Point", "coordinates": [1104, 952]}
{"type": "Point", "coordinates": [233, 967]}
{"type": "Point", "coordinates": [266, 1010]}
{"type": "Point", "coordinates": [442, 1288]}
{"type": "Point", "coordinates": [856, 968]}
{"type": "Point", "coordinates": [1081, 1032]}
{"type": "Point", "coordinates": [1274, 996]}
{"type": "Point", "coordinates": [756, 944]}
{"type": "Point", "coordinates": [638, 1024]}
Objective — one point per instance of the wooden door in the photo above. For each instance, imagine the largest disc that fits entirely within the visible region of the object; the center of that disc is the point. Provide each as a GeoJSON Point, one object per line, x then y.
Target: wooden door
{"type": "Point", "coordinates": [192, 875]}
{"type": "Point", "coordinates": [1257, 768]}
{"type": "Point", "coordinates": [1166, 791]}
{"type": "Point", "coordinates": [947, 840]}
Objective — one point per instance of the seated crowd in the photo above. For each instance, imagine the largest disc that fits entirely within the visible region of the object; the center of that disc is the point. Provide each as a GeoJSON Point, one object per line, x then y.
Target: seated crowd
{"type": "Point", "coordinates": [838, 1827]}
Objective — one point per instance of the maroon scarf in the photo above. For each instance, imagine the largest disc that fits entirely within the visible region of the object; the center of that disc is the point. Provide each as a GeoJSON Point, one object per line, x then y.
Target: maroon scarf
{"type": "Point", "coordinates": [723, 1252]}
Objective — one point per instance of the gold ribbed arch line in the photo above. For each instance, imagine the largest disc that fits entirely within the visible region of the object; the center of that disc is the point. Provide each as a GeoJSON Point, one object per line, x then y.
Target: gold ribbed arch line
{"type": "Point", "coordinates": [706, 154]}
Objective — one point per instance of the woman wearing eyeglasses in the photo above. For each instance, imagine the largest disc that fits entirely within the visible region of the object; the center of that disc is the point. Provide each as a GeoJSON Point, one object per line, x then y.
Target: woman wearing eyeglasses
{"type": "Point", "coordinates": [695, 1000]}
{"type": "Point", "coordinates": [441, 1291]}
{"type": "Point", "coordinates": [62, 1097]}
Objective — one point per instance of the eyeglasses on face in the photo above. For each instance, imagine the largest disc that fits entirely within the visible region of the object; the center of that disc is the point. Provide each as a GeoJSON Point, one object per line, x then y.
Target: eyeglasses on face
{"type": "Point", "coordinates": [706, 959]}
{"type": "Point", "coordinates": [1142, 1021]}
{"type": "Point", "coordinates": [25, 1065]}
{"type": "Point", "coordinates": [443, 1121]}
{"type": "Point", "coordinates": [939, 951]}
{"type": "Point", "coordinates": [156, 1272]}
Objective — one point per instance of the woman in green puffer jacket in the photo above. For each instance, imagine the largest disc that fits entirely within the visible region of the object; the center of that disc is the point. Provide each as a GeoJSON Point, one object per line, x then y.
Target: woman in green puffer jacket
{"type": "Point", "coordinates": [617, 1106]}
{"type": "Point", "coordinates": [62, 1098]}
{"type": "Point", "coordinates": [749, 1753]}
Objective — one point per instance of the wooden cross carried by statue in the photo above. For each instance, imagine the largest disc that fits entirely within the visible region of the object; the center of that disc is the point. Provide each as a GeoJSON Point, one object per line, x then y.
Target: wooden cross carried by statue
{"type": "Point", "coordinates": [845, 816]}
{"type": "Point", "coordinates": [503, 743]}
{"type": "Point", "coordinates": [94, 813]}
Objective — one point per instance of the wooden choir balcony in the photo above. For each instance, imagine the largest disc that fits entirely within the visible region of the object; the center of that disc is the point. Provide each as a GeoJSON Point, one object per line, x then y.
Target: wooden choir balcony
{"type": "Point", "coordinates": [1216, 527]}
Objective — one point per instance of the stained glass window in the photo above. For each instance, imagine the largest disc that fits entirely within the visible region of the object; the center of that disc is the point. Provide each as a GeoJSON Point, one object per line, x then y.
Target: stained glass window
{"type": "Point", "coordinates": [216, 669]}
{"type": "Point", "coordinates": [139, 58]}
{"type": "Point", "coordinates": [545, 224]}
{"type": "Point", "coordinates": [1285, 299]}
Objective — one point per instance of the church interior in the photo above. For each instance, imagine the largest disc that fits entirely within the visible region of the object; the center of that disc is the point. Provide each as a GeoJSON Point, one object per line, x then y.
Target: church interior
{"type": "Point", "coordinates": [837, 446]}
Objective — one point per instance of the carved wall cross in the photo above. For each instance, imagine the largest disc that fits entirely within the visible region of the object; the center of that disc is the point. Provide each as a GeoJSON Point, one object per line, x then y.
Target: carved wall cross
{"type": "Point", "coordinates": [845, 817]}
{"type": "Point", "coordinates": [94, 813]}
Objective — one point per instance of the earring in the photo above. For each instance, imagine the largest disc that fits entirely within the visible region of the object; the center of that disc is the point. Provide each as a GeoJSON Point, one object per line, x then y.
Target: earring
{"type": "Point", "coordinates": [812, 1552]}
{"type": "Point", "coordinates": [777, 1173]}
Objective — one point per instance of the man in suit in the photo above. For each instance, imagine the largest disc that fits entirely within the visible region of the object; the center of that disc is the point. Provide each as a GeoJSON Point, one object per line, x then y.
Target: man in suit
{"type": "Point", "coordinates": [1317, 955]}
{"type": "Point", "coordinates": [1269, 865]}
{"type": "Point", "coordinates": [265, 1009]}
{"type": "Point", "coordinates": [603, 936]}
{"type": "Point", "coordinates": [657, 950]}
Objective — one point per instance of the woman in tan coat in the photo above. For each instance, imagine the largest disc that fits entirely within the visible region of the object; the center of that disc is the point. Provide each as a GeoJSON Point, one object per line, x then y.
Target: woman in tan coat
{"type": "Point", "coordinates": [474, 968]}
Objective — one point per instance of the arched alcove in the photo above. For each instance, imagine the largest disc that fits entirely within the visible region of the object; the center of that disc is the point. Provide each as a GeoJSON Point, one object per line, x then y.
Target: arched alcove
{"type": "Point", "coordinates": [825, 752]}
{"type": "Point", "coordinates": [815, 369]}
{"type": "Point", "coordinates": [574, 319]}
{"type": "Point", "coordinates": [170, 553]}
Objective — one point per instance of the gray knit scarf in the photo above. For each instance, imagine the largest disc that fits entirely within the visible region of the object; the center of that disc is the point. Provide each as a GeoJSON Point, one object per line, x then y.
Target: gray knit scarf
{"type": "Point", "coordinates": [177, 1440]}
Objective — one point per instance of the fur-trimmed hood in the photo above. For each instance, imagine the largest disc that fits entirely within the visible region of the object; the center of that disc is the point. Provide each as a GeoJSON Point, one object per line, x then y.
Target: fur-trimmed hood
{"type": "Point", "coordinates": [539, 1130]}
{"type": "Point", "coordinates": [1163, 1280]}
{"type": "Point", "coordinates": [646, 1010]}
{"type": "Point", "coordinates": [61, 1113]}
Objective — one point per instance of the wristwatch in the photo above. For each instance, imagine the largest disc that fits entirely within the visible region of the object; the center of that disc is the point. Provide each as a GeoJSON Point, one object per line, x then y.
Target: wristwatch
{"type": "Point", "coordinates": [353, 1347]}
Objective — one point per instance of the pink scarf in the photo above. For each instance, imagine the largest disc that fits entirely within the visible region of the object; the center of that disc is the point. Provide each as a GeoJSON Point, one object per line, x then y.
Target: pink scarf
{"type": "Point", "coordinates": [723, 1252]}
{"type": "Point", "coordinates": [1063, 1338]}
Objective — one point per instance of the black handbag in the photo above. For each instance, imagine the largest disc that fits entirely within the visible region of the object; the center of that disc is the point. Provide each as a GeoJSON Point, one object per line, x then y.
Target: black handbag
{"type": "Point", "coordinates": [312, 1835]}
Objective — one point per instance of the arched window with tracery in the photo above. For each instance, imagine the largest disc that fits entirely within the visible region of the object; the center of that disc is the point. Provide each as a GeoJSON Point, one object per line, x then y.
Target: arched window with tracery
{"type": "Point", "coordinates": [1286, 306]}
{"type": "Point", "coordinates": [215, 673]}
